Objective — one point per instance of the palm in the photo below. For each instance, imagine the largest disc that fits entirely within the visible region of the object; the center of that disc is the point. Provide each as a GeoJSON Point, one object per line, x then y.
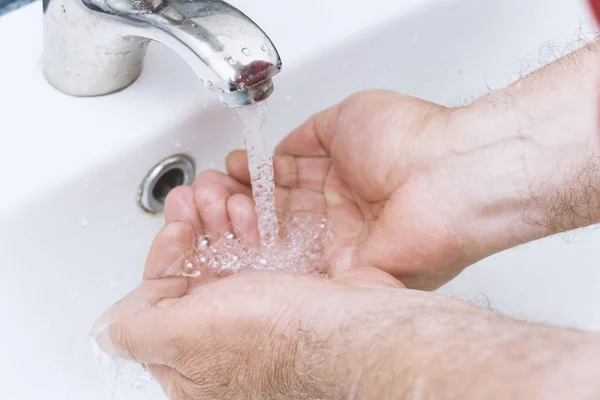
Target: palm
{"type": "Point", "coordinates": [358, 163]}
{"type": "Point", "coordinates": [361, 164]}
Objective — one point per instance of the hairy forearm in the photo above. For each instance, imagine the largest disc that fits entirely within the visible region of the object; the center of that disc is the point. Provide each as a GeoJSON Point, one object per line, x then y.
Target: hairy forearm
{"type": "Point", "coordinates": [534, 150]}
{"type": "Point", "coordinates": [417, 346]}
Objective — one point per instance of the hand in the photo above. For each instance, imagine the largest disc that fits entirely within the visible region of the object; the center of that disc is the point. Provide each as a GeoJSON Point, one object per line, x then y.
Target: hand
{"type": "Point", "coordinates": [422, 191]}
{"type": "Point", "coordinates": [238, 337]}
{"type": "Point", "coordinates": [383, 166]}
{"type": "Point", "coordinates": [268, 335]}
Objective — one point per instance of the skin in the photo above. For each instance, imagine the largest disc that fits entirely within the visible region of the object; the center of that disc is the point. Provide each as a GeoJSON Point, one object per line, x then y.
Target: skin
{"type": "Point", "coordinates": [415, 192]}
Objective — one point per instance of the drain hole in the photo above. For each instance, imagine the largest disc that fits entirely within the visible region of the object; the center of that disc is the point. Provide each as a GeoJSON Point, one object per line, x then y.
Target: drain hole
{"type": "Point", "coordinates": [169, 181]}
{"type": "Point", "coordinates": [171, 172]}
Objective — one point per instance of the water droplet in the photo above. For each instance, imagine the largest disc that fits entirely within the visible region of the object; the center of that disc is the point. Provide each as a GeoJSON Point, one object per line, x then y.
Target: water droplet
{"type": "Point", "coordinates": [209, 83]}
{"type": "Point", "coordinates": [242, 86]}
{"type": "Point", "coordinates": [229, 235]}
{"type": "Point", "coordinates": [231, 60]}
{"type": "Point", "coordinates": [202, 81]}
{"type": "Point", "coordinates": [262, 262]}
{"type": "Point", "coordinates": [224, 105]}
{"type": "Point", "coordinates": [83, 222]}
{"type": "Point", "coordinates": [246, 51]}
{"type": "Point", "coordinates": [220, 90]}
{"type": "Point", "coordinates": [203, 243]}
{"type": "Point", "coordinates": [203, 260]}
{"type": "Point", "coordinates": [264, 48]}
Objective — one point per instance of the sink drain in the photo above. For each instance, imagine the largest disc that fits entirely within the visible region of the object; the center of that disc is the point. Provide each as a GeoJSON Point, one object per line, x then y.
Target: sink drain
{"type": "Point", "coordinates": [174, 171]}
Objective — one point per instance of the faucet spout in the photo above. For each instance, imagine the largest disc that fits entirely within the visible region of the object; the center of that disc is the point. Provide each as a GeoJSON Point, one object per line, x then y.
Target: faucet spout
{"type": "Point", "coordinates": [96, 47]}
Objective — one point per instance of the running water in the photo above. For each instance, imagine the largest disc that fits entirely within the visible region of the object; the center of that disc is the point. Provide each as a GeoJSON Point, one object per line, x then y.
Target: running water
{"type": "Point", "coordinates": [290, 241]}
{"type": "Point", "coordinates": [260, 164]}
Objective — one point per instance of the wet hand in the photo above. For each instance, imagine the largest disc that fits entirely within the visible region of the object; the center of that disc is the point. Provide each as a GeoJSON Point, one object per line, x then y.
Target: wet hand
{"type": "Point", "coordinates": [245, 336]}
{"type": "Point", "coordinates": [377, 163]}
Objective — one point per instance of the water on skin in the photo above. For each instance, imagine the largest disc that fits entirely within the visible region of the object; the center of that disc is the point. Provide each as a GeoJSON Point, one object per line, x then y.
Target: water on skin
{"type": "Point", "coordinates": [288, 241]}
{"type": "Point", "coordinates": [122, 380]}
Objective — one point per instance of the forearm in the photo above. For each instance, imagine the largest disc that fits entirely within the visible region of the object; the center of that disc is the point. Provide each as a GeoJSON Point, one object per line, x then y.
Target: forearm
{"type": "Point", "coordinates": [534, 150]}
{"type": "Point", "coordinates": [436, 347]}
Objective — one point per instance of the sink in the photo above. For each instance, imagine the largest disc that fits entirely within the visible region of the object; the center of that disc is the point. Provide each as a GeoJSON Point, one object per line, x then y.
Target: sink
{"type": "Point", "coordinates": [73, 238]}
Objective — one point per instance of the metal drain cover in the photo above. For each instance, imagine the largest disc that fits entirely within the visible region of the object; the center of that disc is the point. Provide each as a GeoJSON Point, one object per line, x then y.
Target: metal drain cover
{"type": "Point", "coordinates": [174, 171]}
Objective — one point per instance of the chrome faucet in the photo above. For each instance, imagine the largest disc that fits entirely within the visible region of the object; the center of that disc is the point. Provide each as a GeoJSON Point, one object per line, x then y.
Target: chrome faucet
{"type": "Point", "coordinates": [97, 47]}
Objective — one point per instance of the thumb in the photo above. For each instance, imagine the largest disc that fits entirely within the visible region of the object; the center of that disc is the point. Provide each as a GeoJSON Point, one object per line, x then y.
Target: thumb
{"type": "Point", "coordinates": [147, 336]}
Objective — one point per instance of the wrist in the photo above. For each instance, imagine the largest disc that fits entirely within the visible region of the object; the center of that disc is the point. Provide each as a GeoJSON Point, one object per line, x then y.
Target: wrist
{"type": "Point", "coordinates": [530, 155]}
{"type": "Point", "coordinates": [408, 343]}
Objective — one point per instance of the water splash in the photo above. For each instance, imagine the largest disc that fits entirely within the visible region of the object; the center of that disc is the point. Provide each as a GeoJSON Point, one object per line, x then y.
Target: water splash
{"type": "Point", "coordinates": [300, 248]}
{"type": "Point", "coordinates": [121, 379]}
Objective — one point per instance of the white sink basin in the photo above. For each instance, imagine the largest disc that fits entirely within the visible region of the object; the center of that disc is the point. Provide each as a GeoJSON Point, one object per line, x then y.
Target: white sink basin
{"type": "Point", "coordinates": [73, 239]}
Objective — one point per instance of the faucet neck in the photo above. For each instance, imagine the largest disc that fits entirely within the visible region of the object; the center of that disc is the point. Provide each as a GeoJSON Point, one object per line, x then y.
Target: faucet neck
{"type": "Point", "coordinates": [96, 47]}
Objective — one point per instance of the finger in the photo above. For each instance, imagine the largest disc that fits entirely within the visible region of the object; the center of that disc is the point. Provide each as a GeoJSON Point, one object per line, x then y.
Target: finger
{"type": "Point", "coordinates": [312, 138]}
{"type": "Point", "coordinates": [244, 219]}
{"type": "Point", "coordinates": [144, 296]}
{"type": "Point", "coordinates": [173, 241]}
{"type": "Point", "coordinates": [304, 200]}
{"type": "Point", "coordinates": [290, 171]}
{"type": "Point", "coordinates": [236, 164]}
{"type": "Point", "coordinates": [140, 336]}
{"type": "Point", "coordinates": [211, 201]}
{"type": "Point", "coordinates": [219, 178]}
{"type": "Point", "coordinates": [180, 206]}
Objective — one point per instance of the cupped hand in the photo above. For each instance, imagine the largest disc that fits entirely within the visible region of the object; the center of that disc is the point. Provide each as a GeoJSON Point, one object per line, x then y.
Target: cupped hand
{"type": "Point", "coordinates": [380, 164]}
{"type": "Point", "coordinates": [245, 336]}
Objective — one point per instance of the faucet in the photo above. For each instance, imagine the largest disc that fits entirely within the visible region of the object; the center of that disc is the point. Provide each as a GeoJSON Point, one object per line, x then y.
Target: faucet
{"type": "Point", "coordinates": [97, 47]}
